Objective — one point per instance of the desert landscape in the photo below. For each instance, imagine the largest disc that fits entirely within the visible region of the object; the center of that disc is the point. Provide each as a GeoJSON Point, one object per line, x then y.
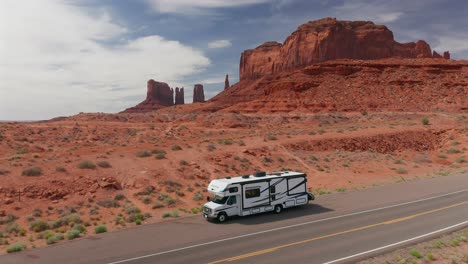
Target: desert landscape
{"type": "Point", "coordinates": [341, 101]}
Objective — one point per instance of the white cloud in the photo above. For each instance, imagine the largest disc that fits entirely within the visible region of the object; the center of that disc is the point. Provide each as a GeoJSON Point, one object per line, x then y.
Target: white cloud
{"type": "Point", "coordinates": [373, 10]}
{"type": "Point", "coordinates": [198, 6]}
{"type": "Point", "coordinates": [53, 61]}
{"type": "Point", "coordinates": [452, 43]}
{"type": "Point", "coordinates": [388, 17]}
{"type": "Point", "coordinates": [217, 44]}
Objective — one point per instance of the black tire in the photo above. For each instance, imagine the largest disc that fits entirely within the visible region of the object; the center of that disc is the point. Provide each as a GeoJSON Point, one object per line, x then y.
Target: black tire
{"type": "Point", "coordinates": [222, 217]}
{"type": "Point", "coordinates": [278, 209]}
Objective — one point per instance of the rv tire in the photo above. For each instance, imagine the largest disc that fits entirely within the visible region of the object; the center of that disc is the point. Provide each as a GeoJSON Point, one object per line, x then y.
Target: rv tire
{"type": "Point", "coordinates": [278, 208]}
{"type": "Point", "coordinates": [222, 217]}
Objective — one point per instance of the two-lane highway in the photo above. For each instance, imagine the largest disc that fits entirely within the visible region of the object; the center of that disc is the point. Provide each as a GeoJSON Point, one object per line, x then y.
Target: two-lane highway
{"type": "Point", "coordinates": [336, 228]}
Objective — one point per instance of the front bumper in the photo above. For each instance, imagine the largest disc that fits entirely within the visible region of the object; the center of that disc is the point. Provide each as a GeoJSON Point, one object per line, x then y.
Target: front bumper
{"type": "Point", "coordinates": [209, 213]}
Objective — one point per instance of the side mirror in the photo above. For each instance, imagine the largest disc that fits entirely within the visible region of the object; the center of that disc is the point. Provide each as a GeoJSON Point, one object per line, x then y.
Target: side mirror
{"type": "Point", "coordinates": [208, 198]}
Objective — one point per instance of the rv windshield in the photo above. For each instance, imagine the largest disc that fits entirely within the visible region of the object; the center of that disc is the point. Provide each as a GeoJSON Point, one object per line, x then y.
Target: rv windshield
{"type": "Point", "coordinates": [219, 199]}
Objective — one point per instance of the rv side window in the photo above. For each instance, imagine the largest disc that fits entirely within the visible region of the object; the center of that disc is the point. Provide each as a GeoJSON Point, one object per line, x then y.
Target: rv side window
{"type": "Point", "coordinates": [252, 193]}
{"type": "Point", "coordinates": [233, 189]}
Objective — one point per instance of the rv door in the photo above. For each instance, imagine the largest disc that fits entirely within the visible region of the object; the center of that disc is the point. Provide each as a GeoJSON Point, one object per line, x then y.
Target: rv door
{"type": "Point", "coordinates": [232, 205]}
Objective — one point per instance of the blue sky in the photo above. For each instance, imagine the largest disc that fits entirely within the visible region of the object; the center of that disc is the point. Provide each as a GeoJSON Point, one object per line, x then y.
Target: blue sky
{"type": "Point", "coordinates": [62, 57]}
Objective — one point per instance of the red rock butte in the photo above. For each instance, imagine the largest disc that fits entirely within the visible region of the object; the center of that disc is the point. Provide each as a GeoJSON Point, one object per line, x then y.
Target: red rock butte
{"type": "Point", "coordinates": [328, 39]}
{"type": "Point", "coordinates": [329, 65]}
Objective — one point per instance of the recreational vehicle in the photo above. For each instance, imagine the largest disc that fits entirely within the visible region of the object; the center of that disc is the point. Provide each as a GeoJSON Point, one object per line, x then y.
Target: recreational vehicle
{"type": "Point", "coordinates": [257, 193]}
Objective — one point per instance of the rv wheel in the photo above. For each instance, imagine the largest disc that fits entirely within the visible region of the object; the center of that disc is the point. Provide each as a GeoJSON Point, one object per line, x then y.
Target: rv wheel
{"type": "Point", "coordinates": [278, 208]}
{"type": "Point", "coordinates": [222, 217]}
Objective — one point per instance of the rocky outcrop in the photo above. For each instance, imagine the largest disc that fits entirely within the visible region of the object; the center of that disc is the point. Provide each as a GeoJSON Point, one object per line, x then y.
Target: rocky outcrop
{"type": "Point", "coordinates": [327, 39]}
{"type": "Point", "coordinates": [179, 96]}
{"type": "Point", "coordinates": [392, 84]}
{"type": "Point", "coordinates": [226, 82]}
{"type": "Point", "coordinates": [436, 55]}
{"type": "Point", "coordinates": [447, 55]}
{"type": "Point", "coordinates": [198, 94]}
{"type": "Point", "coordinates": [158, 95]}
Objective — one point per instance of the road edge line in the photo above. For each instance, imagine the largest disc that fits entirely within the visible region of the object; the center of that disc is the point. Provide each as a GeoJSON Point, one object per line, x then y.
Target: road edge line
{"type": "Point", "coordinates": [397, 243]}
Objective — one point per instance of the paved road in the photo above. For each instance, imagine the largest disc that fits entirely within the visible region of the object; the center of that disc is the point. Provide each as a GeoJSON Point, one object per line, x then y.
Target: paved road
{"type": "Point", "coordinates": [336, 228]}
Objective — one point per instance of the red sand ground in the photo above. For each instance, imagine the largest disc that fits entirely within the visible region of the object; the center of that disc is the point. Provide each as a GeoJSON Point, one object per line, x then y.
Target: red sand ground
{"type": "Point", "coordinates": [338, 151]}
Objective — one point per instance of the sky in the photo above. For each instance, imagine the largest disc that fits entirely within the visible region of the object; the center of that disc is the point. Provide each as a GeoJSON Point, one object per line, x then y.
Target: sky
{"type": "Point", "coordinates": [63, 57]}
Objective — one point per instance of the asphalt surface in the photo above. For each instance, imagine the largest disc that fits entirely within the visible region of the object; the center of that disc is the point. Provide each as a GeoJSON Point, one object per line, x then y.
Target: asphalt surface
{"type": "Point", "coordinates": [335, 228]}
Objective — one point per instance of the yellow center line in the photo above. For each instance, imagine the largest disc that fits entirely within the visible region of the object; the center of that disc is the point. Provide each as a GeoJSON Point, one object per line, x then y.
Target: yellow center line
{"type": "Point", "coordinates": [392, 221]}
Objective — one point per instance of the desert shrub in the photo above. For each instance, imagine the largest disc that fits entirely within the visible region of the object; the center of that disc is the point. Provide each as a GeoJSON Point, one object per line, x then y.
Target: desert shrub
{"type": "Point", "coordinates": [138, 222]}
{"type": "Point", "coordinates": [147, 191]}
{"type": "Point", "coordinates": [72, 234]}
{"type": "Point", "coordinates": [68, 220]}
{"type": "Point", "coordinates": [160, 156]}
{"type": "Point", "coordinates": [172, 183]}
{"type": "Point", "coordinates": [415, 253]}
{"type": "Point", "coordinates": [425, 121]}
{"type": "Point", "coordinates": [158, 205]}
{"type": "Point", "coordinates": [401, 171]}
{"type": "Point", "coordinates": [134, 217]}
{"type": "Point", "coordinates": [104, 164]}
{"type": "Point", "coordinates": [119, 197]}
{"type": "Point", "coordinates": [211, 147]}
{"type": "Point", "coordinates": [267, 159]}
{"type": "Point", "coordinates": [271, 137]}
{"type": "Point", "coordinates": [79, 227]}
{"type": "Point", "coordinates": [87, 164]}
{"type": "Point", "coordinates": [157, 151]}
{"type": "Point", "coordinates": [183, 163]}
{"type": "Point", "coordinates": [4, 172]}
{"type": "Point", "coordinates": [460, 160]}
{"type": "Point", "coordinates": [131, 209]}
{"type": "Point", "coordinates": [108, 203]}
{"type": "Point", "coordinates": [100, 229]}
{"type": "Point", "coordinates": [143, 154]}
{"type": "Point", "coordinates": [12, 228]}
{"type": "Point", "coordinates": [453, 151]}
{"type": "Point", "coordinates": [225, 141]}
{"type": "Point", "coordinates": [198, 196]}
{"type": "Point", "coordinates": [146, 200]}
{"type": "Point", "coordinates": [38, 225]}
{"type": "Point", "coordinates": [176, 147]}
{"type": "Point", "coordinates": [132, 131]}
{"type": "Point", "coordinates": [175, 213]}
{"type": "Point", "coordinates": [34, 171]}
{"type": "Point", "coordinates": [8, 219]}
{"type": "Point", "coordinates": [195, 210]}
{"type": "Point", "coordinates": [166, 214]}
{"type": "Point", "coordinates": [60, 169]}
{"type": "Point", "coordinates": [16, 247]}
{"type": "Point", "coordinates": [53, 239]}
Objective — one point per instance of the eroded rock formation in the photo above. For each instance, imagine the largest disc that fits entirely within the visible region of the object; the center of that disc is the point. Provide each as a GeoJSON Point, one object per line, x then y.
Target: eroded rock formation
{"type": "Point", "coordinates": [328, 39]}
{"type": "Point", "coordinates": [158, 95]}
{"type": "Point", "coordinates": [198, 94]}
{"type": "Point", "coordinates": [179, 96]}
{"type": "Point", "coordinates": [226, 82]}
{"type": "Point", "coordinates": [392, 84]}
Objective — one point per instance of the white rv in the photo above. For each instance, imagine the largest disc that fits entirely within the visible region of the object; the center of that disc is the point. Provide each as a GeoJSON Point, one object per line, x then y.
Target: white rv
{"type": "Point", "coordinates": [257, 193]}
